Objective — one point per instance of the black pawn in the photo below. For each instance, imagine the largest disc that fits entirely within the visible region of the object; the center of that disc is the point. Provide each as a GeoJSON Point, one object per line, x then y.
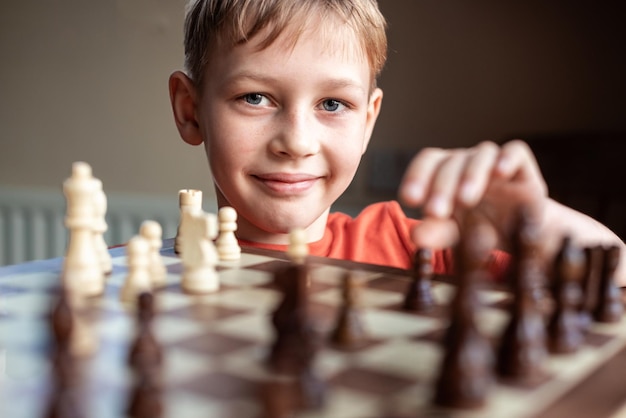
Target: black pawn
{"type": "Point", "coordinates": [145, 352]}
{"type": "Point", "coordinates": [349, 331]}
{"type": "Point", "coordinates": [419, 296]}
{"type": "Point", "coordinates": [63, 402]}
{"type": "Point", "coordinates": [462, 383]}
{"type": "Point", "coordinates": [564, 331]}
{"type": "Point", "coordinates": [295, 341]}
{"type": "Point", "coordinates": [146, 397]}
{"type": "Point", "coordinates": [609, 307]}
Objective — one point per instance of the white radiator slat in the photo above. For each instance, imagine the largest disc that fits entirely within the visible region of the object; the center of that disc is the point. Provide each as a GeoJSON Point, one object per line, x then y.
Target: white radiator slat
{"type": "Point", "coordinates": [32, 221]}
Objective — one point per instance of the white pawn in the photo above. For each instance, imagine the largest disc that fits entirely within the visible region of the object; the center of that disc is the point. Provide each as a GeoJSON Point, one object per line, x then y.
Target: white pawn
{"type": "Point", "coordinates": [199, 255]}
{"type": "Point", "coordinates": [298, 249]}
{"type": "Point", "coordinates": [227, 246]}
{"type": "Point", "coordinates": [187, 199]}
{"type": "Point", "coordinates": [138, 278]}
{"type": "Point", "coordinates": [100, 227]}
{"type": "Point", "coordinates": [82, 272]}
{"type": "Point", "coordinates": [153, 233]}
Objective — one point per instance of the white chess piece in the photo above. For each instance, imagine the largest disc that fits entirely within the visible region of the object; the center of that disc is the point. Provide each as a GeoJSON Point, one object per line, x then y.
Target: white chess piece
{"type": "Point", "coordinates": [138, 278]}
{"type": "Point", "coordinates": [100, 227]}
{"type": "Point", "coordinates": [187, 199]}
{"type": "Point", "coordinates": [153, 233]}
{"type": "Point", "coordinates": [199, 255]}
{"type": "Point", "coordinates": [227, 246]}
{"type": "Point", "coordinates": [82, 272]}
{"type": "Point", "coordinates": [298, 249]}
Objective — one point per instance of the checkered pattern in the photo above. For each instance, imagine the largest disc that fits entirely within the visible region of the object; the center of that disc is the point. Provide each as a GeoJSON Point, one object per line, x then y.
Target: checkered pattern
{"type": "Point", "coordinates": [215, 346]}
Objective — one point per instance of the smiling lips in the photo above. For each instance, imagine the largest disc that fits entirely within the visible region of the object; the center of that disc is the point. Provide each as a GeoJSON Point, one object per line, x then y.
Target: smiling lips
{"type": "Point", "coordinates": [287, 183]}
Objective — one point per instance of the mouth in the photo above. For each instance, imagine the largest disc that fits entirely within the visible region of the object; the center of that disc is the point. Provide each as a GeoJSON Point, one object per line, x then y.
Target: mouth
{"type": "Point", "coordinates": [286, 184]}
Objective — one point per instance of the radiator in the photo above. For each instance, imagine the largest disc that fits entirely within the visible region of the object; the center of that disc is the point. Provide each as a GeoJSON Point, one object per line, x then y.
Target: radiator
{"type": "Point", "coordinates": [31, 221]}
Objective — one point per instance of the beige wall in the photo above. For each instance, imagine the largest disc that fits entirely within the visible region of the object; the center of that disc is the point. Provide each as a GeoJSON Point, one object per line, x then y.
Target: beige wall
{"type": "Point", "coordinates": [86, 80]}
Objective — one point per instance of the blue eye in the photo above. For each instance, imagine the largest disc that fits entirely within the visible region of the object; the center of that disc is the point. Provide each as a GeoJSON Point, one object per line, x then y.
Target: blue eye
{"type": "Point", "coordinates": [253, 98]}
{"type": "Point", "coordinates": [331, 105]}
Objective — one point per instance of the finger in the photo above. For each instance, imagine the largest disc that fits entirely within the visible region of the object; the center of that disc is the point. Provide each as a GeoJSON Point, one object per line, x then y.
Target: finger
{"type": "Point", "coordinates": [415, 184]}
{"type": "Point", "coordinates": [435, 233]}
{"type": "Point", "coordinates": [442, 197]}
{"type": "Point", "coordinates": [517, 162]}
{"type": "Point", "coordinates": [477, 173]}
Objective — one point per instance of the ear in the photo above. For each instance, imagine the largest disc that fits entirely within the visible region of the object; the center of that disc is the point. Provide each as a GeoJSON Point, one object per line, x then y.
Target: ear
{"type": "Point", "coordinates": [183, 97]}
{"type": "Point", "coordinates": [373, 109]}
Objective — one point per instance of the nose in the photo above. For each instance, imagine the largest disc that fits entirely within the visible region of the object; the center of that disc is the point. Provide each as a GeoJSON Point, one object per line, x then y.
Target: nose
{"type": "Point", "coordinates": [297, 136]}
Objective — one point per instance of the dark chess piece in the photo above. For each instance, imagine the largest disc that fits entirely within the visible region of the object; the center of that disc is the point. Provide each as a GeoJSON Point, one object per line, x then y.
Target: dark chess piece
{"type": "Point", "coordinates": [296, 342]}
{"type": "Point", "coordinates": [64, 400]}
{"type": "Point", "coordinates": [146, 397]}
{"type": "Point", "coordinates": [522, 351]}
{"type": "Point", "coordinates": [278, 400]}
{"type": "Point", "coordinates": [349, 331]}
{"type": "Point", "coordinates": [62, 320]}
{"type": "Point", "coordinates": [564, 331]}
{"type": "Point", "coordinates": [145, 351]}
{"type": "Point", "coordinates": [462, 383]}
{"type": "Point", "coordinates": [590, 285]}
{"type": "Point", "coordinates": [63, 404]}
{"type": "Point", "coordinates": [145, 357]}
{"type": "Point", "coordinates": [609, 307]}
{"type": "Point", "coordinates": [419, 296]}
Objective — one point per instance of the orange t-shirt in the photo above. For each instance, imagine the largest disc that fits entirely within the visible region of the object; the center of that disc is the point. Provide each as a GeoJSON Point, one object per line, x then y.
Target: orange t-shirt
{"type": "Point", "coordinates": [380, 234]}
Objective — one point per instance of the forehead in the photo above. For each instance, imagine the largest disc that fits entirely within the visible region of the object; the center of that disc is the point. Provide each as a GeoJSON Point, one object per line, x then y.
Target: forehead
{"type": "Point", "coordinates": [318, 39]}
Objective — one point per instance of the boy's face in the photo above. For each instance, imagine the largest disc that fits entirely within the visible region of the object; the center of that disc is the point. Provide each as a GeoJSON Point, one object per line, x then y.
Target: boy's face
{"type": "Point", "coordinates": [285, 128]}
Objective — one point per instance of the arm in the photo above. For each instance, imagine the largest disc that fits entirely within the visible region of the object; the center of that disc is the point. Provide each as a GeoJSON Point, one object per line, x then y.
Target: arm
{"type": "Point", "coordinates": [495, 181]}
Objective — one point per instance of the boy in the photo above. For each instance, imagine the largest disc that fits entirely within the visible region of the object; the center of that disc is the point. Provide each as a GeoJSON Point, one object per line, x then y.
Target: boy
{"type": "Point", "coordinates": [283, 95]}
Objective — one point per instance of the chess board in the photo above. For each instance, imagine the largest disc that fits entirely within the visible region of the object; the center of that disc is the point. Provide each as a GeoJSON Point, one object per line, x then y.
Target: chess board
{"type": "Point", "coordinates": [215, 347]}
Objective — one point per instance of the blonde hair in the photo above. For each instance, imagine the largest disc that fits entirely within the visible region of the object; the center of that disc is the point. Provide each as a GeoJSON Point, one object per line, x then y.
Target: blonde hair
{"type": "Point", "coordinates": [210, 24]}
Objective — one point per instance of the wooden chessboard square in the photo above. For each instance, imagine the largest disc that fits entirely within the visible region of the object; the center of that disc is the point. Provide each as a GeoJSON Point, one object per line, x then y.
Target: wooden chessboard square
{"type": "Point", "coordinates": [346, 403]}
{"type": "Point", "coordinates": [205, 313]}
{"type": "Point", "coordinates": [24, 366]}
{"type": "Point", "coordinates": [246, 261]}
{"type": "Point", "coordinates": [256, 299]}
{"type": "Point", "coordinates": [27, 305]}
{"type": "Point", "coordinates": [168, 329]}
{"type": "Point", "coordinates": [255, 327]}
{"type": "Point", "coordinates": [333, 275]}
{"type": "Point", "coordinates": [382, 324]}
{"type": "Point", "coordinates": [221, 386]}
{"type": "Point", "coordinates": [181, 404]}
{"type": "Point", "coordinates": [181, 365]}
{"type": "Point", "coordinates": [367, 298]}
{"type": "Point", "coordinates": [371, 382]}
{"type": "Point", "coordinates": [242, 278]}
{"type": "Point", "coordinates": [390, 283]}
{"type": "Point", "coordinates": [44, 282]}
{"type": "Point", "coordinates": [494, 298]}
{"type": "Point", "coordinates": [268, 266]}
{"type": "Point", "coordinates": [214, 344]}
{"type": "Point", "coordinates": [415, 360]}
{"type": "Point", "coordinates": [490, 321]}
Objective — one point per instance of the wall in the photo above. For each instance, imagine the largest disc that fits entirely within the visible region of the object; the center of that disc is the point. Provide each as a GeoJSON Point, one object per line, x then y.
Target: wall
{"type": "Point", "coordinates": [86, 80]}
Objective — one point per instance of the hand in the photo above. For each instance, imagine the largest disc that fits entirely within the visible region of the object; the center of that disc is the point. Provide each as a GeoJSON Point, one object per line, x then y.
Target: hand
{"type": "Point", "coordinates": [488, 178]}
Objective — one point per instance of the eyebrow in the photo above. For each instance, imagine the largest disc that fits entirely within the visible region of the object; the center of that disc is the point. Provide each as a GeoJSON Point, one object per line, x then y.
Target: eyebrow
{"type": "Point", "coordinates": [333, 83]}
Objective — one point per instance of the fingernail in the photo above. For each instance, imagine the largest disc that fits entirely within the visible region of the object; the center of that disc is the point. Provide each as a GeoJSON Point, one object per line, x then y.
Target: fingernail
{"type": "Point", "coordinates": [439, 206]}
{"type": "Point", "coordinates": [415, 192]}
{"type": "Point", "coordinates": [468, 192]}
{"type": "Point", "coordinates": [504, 164]}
